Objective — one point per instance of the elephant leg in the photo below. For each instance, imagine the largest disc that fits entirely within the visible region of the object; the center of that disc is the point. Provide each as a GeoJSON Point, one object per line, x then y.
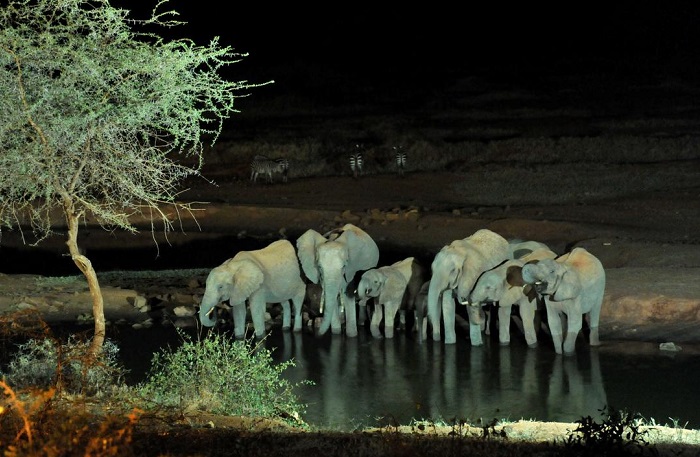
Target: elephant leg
{"type": "Point", "coordinates": [350, 314]}
{"type": "Point", "coordinates": [554, 322]}
{"type": "Point", "coordinates": [336, 324]}
{"type": "Point", "coordinates": [475, 320]}
{"type": "Point", "coordinates": [402, 319]}
{"type": "Point", "coordinates": [298, 303]}
{"type": "Point", "coordinates": [504, 324]}
{"type": "Point", "coordinates": [238, 312]}
{"type": "Point", "coordinates": [486, 323]}
{"type": "Point", "coordinates": [376, 320]}
{"type": "Point", "coordinates": [390, 310]}
{"type": "Point", "coordinates": [448, 316]}
{"type": "Point", "coordinates": [286, 315]}
{"type": "Point", "coordinates": [594, 338]}
{"type": "Point", "coordinates": [435, 314]}
{"type": "Point", "coordinates": [257, 313]}
{"type": "Point", "coordinates": [592, 319]}
{"type": "Point", "coordinates": [527, 314]}
{"type": "Point", "coordinates": [362, 313]}
{"type": "Point", "coordinates": [574, 324]}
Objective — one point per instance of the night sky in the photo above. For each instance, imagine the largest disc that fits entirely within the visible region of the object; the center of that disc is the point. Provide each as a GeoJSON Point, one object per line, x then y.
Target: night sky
{"type": "Point", "coordinates": [644, 36]}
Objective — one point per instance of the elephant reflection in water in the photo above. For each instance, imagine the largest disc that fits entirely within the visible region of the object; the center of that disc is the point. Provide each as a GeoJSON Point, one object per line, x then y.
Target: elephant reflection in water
{"type": "Point", "coordinates": [499, 382]}
{"type": "Point", "coordinates": [572, 394]}
{"type": "Point", "coordinates": [340, 392]}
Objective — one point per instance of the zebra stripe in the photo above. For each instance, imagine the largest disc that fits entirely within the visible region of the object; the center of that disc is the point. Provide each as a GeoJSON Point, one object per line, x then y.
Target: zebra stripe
{"type": "Point", "coordinates": [264, 165]}
{"type": "Point", "coordinates": [400, 157]}
{"type": "Point", "coordinates": [356, 162]}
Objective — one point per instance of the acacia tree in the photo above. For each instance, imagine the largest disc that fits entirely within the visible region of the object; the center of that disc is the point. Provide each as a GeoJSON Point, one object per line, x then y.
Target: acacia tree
{"type": "Point", "coordinates": [102, 118]}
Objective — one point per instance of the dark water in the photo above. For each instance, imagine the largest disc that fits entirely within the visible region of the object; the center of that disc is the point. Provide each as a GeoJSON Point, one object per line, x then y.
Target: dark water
{"type": "Point", "coordinates": [367, 382]}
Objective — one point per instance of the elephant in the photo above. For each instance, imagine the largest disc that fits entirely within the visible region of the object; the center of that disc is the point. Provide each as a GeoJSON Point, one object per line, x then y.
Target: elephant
{"type": "Point", "coordinates": [455, 269]}
{"type": "Point", "coordinates": [267, 275]}
{"type": "Point", "coordinates": [394, 288]}
{"type": "Point", "coordinates": [333, 260]}
{"type": "Point", "coordinates": [573, 285]}
{"type": "Point", "coordinates": [504, 285]}
{"type": "Point", "coordinates": [421, 311]}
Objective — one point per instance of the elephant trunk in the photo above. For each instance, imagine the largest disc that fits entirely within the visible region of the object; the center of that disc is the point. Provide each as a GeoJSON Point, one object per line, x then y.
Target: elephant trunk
{"type": "Point", "coordinates": [434, 307]}
{"type": "Point", "coordinates": [331, 312]}
{"type": "Point", "coordinates": [207, 312]}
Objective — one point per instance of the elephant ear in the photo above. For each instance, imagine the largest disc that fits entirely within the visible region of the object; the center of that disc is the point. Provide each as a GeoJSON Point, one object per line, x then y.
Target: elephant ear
{"type": "Point", "coordinates": [569, 286]}
{"type": "Point", "coordinates": [452, 262]}
{"type": "Point", "coordinates": [394, 288]}
{"type": "Point", "coordinates": [363, 252]}
{"type": "Point", "coordinates": [247, 278]}
{"type": "Point", "coordinates": [306, 251]}
{"type": "Point", "coordinates": [514, 276]}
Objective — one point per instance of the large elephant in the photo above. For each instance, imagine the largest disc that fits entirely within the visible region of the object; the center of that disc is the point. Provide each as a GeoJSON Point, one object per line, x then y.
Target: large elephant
{"type": "Point", "coordinates": [504, 285]}
{"type": "Point", "coordinates": [267, 275]}
{"type": "Point", "coordinates": [572, 284]}
{"type": "Point", "coordinates": [455, 269]}
{"type": "Point", "coordinates": [334, 260]}
{"type": "Point", "coordinates": [394, 288]}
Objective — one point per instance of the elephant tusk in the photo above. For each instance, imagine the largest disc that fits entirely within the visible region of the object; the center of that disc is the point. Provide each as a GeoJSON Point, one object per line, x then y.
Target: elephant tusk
{"type": "Point", "coordinates": [209, 313]}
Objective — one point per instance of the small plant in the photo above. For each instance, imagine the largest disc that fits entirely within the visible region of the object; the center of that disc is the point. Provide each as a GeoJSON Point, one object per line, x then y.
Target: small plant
{"type": "Point", "coordinates": [221, 376]}
{"type": "Point", "coordinates": [71, 366]}
{"type": "Point", "coordinates": [619, 433]}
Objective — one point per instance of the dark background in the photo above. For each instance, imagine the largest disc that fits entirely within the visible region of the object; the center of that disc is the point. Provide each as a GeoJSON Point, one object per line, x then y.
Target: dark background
{"type": "Point", "coordinates": [429, 38]}
{"type": "Point", "coordinates": [429, 41]}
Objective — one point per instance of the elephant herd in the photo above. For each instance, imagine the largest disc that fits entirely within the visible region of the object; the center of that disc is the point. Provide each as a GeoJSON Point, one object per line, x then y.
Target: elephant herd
{"type": "Point", "coordinates": [482, 269]}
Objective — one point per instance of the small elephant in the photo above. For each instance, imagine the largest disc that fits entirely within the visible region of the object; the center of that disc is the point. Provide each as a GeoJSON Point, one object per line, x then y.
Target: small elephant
{"type": "Point", "coordinates": [421, 311]}
{"type": "Point", "coordinates": [456, 268]}
{"type": "Point", "coordinates": [267, 275]}
{"type": "Point", "coordinates": [333, 260]}
{"type": "Point", "coordinates": [504, 285]}
{"type": "Point", "coordinates": [394, 288]}
{"type": "Point", "coordinates": [572, 284]}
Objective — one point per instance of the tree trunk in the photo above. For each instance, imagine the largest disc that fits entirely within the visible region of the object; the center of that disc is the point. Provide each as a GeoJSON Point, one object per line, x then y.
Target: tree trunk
{"type": "Point", "coordinates": [85, 266]}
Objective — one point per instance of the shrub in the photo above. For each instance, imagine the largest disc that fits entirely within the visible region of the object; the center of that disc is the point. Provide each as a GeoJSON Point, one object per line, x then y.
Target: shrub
{"type": "Point", "coordinates": [70, 366]}
{"type": "Point", "coordinates": [222, 376]}
{"type": "Point", "coordinates": [620, 433]}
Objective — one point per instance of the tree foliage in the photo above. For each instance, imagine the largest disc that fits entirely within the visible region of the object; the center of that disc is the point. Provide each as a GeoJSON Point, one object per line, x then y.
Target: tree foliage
{"type": "Point", "coordinates": [94, 112]}
{"type": "Point", "coordinates": [102, 118]}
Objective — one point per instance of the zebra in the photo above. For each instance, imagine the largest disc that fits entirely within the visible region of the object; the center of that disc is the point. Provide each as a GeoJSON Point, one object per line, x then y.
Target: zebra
{"type": "Point", "coordinates": [284, 163]}
{"type": "Point", "coordinates": [356, 163]}
{"type": "Point", "coordinates": [264, 165]}
{"type": "Point", "coordinates": [400, 157]}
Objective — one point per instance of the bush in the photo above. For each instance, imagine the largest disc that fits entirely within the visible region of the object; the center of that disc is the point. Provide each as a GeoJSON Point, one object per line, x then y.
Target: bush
{"type": "Point", "coordinates": [47, 362]}
{"type": "Point", "coordinates": [620, 433]}
{"type": "Point", "coordinates": [222, 376]}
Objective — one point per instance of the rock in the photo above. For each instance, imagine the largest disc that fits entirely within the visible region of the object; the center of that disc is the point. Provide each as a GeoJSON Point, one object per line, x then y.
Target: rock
{"type": "Point", "coordinates": [184, 311]}
{"type": "Point", "coordinates": [139, 302]}
{"type": "Point", "coordinates": [670, 347]}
